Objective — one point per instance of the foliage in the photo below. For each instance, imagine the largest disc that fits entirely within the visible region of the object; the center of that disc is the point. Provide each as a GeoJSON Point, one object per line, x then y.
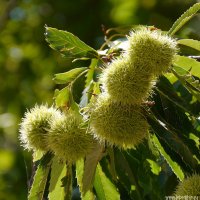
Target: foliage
{"type": "Point", "coordinates": [27, 66]}
{"type": "Point", "coordinates": [171, 151]}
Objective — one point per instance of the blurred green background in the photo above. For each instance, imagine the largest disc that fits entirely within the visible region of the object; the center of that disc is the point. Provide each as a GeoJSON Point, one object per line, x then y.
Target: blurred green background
{"type": "Point", "coordinates": [27, 64]}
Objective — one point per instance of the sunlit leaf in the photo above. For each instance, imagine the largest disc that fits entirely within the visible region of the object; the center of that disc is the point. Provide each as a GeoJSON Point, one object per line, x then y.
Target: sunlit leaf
{"type": "Point", "coordinates": [40, 178]}
{"type": "Point", "coordinates": [188, 64]}
{"type": "Point", "coordinates": [174, 140]}
{"type": "Point", "coordinates": [188, 81]}
{"type": "Point", "coordinates": [155, 168]}
{"type": "Point", "coordinates": [104, 188]}
{"type": "Point", "coordinates": [67, 182]}
{"type": "Point", "coordinates": [184, 18]}
{"type": "Point", "coordinates": [68, 44]}
{"type": "Point", "coordinates": [195, 44]}
{"type": "Point", "coordinates": [79, 175]}
{"type": "Point", "coordinates": [58, 171]}
{"type": "Point", "coordinates": [91, 162]}
{"type": "Point", "coordinates": [69, 76]}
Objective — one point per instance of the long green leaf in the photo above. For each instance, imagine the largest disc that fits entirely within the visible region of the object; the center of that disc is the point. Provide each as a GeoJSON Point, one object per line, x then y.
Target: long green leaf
{"type": "Point", "coordinates": [58, 171]}
{"type": "Point", "coordinates": [174, 140]}
{"type": "Point", "coordinates": [67, 77]}
{"type": "Point", "coordinates": [79, 175]}
{"type": "Point", "coordinates": [174, 166]}
{"type": "Point", "coordinates": [188, 64]}
{"type": "Point", "coordinates": [67, 182]}
{"type": "Point", "coordinates": [91, 162]}
{"type": "Point", "coordinates": [104, 188]}
{"type": "Point", "coordinates": [68, 44]}
{"type": "Point", "coordinates": [127, 174]}
{"type": "Point", "coordinates": [195, 44]}
{"type": "Point", "coordinates": [184, 18]}
{"type": "Point", "coordinates": [188, 81]}
{"type": "Point", "coordinates": [40, 178]}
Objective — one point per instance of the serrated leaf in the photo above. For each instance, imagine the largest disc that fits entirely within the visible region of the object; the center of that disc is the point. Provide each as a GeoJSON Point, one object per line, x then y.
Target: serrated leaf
{"type": "Point", "coordinates": [174, 166]}
{"type": "Point", "coordinates": [173, 139]}
{"type": "Point", "coordinates": [195, 44]}
{"type": "Point", "coordinates": [91, 162]}
{"type": "Point", "coordinates": [40, 178]}
{"type": "Point", "coordinates": [187, 78]}
{"type": "Point", "coordinates": [104, 188]}
{"type": "Point", "coordinates": [172, 124]}
{"type": "Point", "coordinates": [188, 64]}
{"type": "Point", "coordinates": [184, 18]}
{"type": "Point", "coordinates": [79, 175]}
{"type": "Point", "coordinates": [67, 77]}
{"type": "Point", "coordinates": [67, 182]}
{"type": "Point", "coordinates": [188, 81]}
{"type": "Point", "coordinates": [68, 44]}
{"type": "Point", "coordinates": [58, 171]}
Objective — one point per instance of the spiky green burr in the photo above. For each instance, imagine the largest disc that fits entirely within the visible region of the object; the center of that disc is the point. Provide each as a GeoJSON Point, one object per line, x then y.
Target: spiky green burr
{"type": "Point", "coordinates": [151, 50]}
{"type": "Point", "coordinates": [189, 186]}
{"type": "Point", "coordinates": [127, 83]}
{"type": "Point", "coordinates": [122, 125]}
{"type": "Point", "coordinates": [68, 140]}
{"type": "Point", "coordinates": [35, 126]}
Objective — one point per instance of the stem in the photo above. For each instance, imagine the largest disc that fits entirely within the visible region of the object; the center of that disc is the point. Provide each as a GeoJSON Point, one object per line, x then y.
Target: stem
{"type": "Point", "coordinates": [108, 40]}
